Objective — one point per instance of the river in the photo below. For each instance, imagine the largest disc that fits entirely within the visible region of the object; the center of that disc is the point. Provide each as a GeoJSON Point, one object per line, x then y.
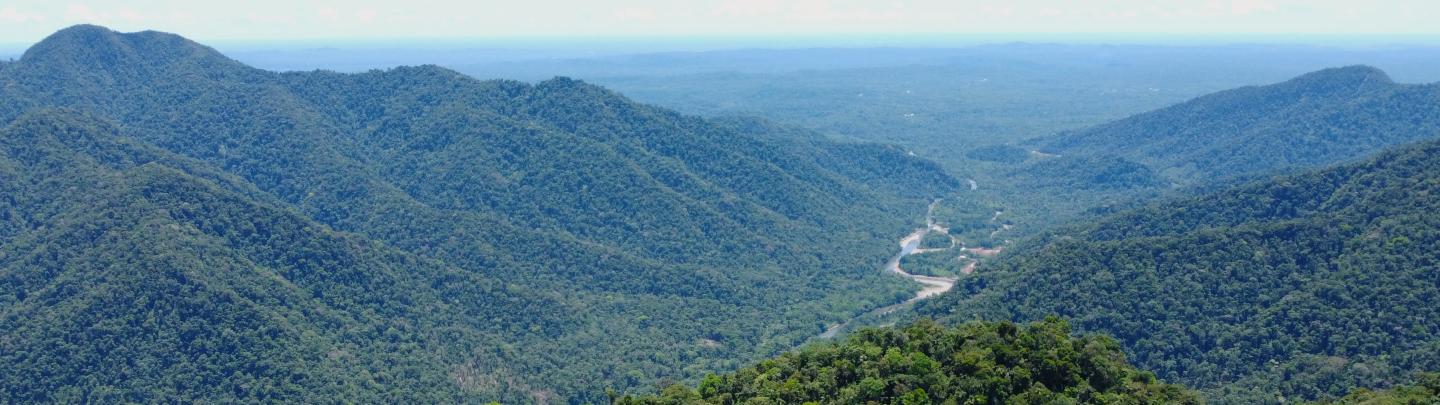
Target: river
{"type": "Point", "coordinates": [932, 286]}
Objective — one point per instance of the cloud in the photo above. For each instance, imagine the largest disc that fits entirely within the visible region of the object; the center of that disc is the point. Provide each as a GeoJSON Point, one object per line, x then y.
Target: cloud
{"type": "Point", "coordinates": [749, 7]}
{"type": "Point", "coordinates": [131, 16]}
{"type": "Point", "coordinates": [289, 19]}
{"type": "Point", "coordinates": [328, 14]}
{"type": "Point", "coordinates": [14, 16]}
{"type": "Point", "coordinates": [1243, 7]}
{"type": "Point", "coordinates": [81, 12]}
{"type": "Point", "coordinates": [366, 16]}
{"type": "Point", "coordinates": [635, 14]}
{"type": "Point", "coordinates": [269, 18]}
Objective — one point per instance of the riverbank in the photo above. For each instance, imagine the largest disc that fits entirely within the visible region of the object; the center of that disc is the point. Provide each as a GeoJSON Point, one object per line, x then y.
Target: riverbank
{"type": "Point", "coordinates": [931, 286]}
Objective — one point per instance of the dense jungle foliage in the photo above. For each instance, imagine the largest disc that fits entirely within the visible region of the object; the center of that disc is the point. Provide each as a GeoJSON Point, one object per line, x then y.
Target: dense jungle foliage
{"type": "Point", "coordinates": [531, 242]}
{"type": "Point", "coordinates": [176, 226]}
{"type": "Point", "coordinates": [1313, 120]}
{"type": "Point", "coordinates": [946, 263]}
{"type": "Point", "coordinates": [926, 363]}
{"type": "Point", "coordinates": [1302, 286]}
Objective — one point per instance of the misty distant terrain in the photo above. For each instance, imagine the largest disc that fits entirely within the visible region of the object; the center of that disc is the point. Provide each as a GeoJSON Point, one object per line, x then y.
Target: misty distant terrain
{"type": "Point", "coordinates": [940, 101]}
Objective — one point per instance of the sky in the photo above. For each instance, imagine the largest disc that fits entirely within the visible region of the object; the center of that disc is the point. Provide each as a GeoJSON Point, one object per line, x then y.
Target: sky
{"type": "Point", "coordinates": [27, 21]}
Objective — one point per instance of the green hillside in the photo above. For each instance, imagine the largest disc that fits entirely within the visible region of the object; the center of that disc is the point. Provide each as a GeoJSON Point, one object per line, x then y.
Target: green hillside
{"type": "Point", "coordinates": [607, 243]}
{"type": "Point", "coordinates": [176, 226]}
{"type": "Point", "coordinates": [1300, 286]}
{"type": "Point", "coordinates": [1313, 120]}
{"type": "Point", "coordinates": [1225, 138]}
{"type": "Point", "coordinates": [130, 275]}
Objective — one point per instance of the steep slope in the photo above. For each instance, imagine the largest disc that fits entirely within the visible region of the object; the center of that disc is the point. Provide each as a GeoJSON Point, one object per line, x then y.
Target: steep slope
{"type": "Point", "coordinates": [925, 363]}
{"type": "Point", "coordinates": [668, 245]}
{"type": "Point", "coordinates": [1302, 286]}
{"type": "Point", "coordinates": [131, 275]}
{"type": "Point", "coordinates": [1316, 119]}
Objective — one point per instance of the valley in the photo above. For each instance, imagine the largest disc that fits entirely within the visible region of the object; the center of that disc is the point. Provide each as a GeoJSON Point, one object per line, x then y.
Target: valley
{"type": "Point", "coordinates": [1157, 191]}
{"type": "Point", "coordinates": [1102, 224]}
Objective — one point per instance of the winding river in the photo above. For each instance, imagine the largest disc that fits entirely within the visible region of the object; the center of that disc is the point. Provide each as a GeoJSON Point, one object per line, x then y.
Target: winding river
{"type": "Point", "coordinates": [932, 285]}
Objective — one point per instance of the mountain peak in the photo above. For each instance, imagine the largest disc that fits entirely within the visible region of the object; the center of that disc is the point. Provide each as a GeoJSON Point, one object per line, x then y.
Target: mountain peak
{"type": "Point", "coordinates": [1348, 78]}
{"type": "Point", "coordinates": [95, 46]}
{"type": "Point", "coordinates": [82, 30]}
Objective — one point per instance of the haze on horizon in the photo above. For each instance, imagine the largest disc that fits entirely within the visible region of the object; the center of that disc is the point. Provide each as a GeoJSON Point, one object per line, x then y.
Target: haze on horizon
{"type": "Point", "coordinates": [27, 21]}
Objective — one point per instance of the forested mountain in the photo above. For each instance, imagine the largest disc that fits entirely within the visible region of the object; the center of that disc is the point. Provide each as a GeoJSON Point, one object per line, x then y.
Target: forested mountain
{"type": "Point", "coordinates": [1302, 286]}
{"type": "Point", "coordinates": [1313, 120]}
{"type": "Point", "coordinates": [524, 242]}
{"type": "Point", "coordinates": [131, 275]}
{"type": "Point", "coordinates": [176, 226]}
{"type": "Point", "coordinates": [1319, 119]}
{"type": "Point", "coordinates": [925, 363]}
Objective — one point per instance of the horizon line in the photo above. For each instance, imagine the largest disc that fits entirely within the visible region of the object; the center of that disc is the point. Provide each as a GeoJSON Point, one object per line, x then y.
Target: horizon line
{"type": "Point", "coordinates": [830, 40]}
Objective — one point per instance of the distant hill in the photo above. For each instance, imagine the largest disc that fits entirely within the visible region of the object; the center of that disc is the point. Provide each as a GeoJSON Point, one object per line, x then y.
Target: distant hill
{"type": "Point", "coordinates": [1319, 119]}
{"type": "Point", "coordinates": [1313, 120]}
{"type": "Point", "coordinates": [1009, 154]}
{"type": "Point", "coordinates": [500, 239]}
{"type": "Point", "coordinates": [1094, 172]}
{"type": "Point", "coordinates": [1303, 286]}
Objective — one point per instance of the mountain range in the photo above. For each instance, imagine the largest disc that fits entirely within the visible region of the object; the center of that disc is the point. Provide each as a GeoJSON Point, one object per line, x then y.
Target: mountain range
{"type": "Point", "coordinates": [410, 234]}
{"type": "Point", "coordinates": [176, 226]}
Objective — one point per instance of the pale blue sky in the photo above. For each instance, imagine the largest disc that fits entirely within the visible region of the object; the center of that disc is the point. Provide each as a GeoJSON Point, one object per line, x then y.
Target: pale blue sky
{"type": "Point", "coordinates": [25, 21]}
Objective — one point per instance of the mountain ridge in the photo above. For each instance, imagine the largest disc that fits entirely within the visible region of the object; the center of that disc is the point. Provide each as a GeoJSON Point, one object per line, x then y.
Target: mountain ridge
{"type": "Point", "coordinates": [1291, 286]}
{"type": "Point", "coordinates": [96, 46]}
{"type": "Point", "coordinates": [1315, 119]}
{"type": "Point", "coordinates": [603, 238]}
